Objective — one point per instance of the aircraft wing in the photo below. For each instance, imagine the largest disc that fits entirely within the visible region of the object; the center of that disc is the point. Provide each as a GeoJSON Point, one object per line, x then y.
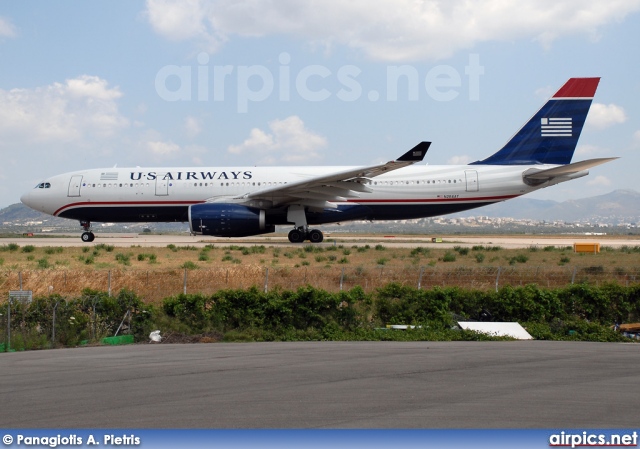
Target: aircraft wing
{"type": "Point", "coordinates": [321, 191]}
{"type": "Point", "coordinates": [566, 169]}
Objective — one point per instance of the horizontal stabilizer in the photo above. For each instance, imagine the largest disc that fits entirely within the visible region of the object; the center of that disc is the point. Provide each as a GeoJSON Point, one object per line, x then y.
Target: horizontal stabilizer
{"type": "Point", "coordinates": [566, 169]}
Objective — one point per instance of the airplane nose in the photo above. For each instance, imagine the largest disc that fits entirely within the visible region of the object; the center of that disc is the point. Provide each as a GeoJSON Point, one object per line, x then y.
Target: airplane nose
{"type": "Point", "coordinates": [24, 199]}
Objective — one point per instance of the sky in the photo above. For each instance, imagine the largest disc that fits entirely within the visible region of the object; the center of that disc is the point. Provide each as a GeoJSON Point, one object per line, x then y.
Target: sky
{"type": "Point", "coordinates": [232, 83]}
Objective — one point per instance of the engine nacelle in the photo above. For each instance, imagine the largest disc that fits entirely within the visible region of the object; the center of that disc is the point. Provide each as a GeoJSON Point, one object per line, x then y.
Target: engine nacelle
{"type": "Point", "coordinates": [227, 220]}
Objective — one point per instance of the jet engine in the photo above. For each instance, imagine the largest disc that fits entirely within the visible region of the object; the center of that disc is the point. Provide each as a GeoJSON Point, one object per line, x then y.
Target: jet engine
{"type": "Point", "coordinates": [227, 220]}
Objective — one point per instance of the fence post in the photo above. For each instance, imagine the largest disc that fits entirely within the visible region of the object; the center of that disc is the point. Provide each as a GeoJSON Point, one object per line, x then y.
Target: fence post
{"type": "Point", "coordinates": [53, 325]}
{"type": "Point", "coordinates": [266, 279]}
{"type": "Point", "coordinates": [109, 283]}
{"type": "Point", "coordinates": [420, 278]}
{"type": "Point", "coordinates": [341, 278]}
{"type": "Point", "coordinates": [8, 345]}
{"type": "Point", "coordinates": [94, 301]}
{"type": "Point", "coordinates": [184, 282]}
{"type": "Point", "coordinates": [20, 278]}
{"type": "Point", "coordinates": [573, 276]}
{"type": "Point", "coordinates": [498, 278]}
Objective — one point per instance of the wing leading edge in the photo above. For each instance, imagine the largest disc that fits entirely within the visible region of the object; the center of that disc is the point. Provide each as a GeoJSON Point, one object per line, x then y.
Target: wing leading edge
{"type": "Point", "coordinates": [322, 191]}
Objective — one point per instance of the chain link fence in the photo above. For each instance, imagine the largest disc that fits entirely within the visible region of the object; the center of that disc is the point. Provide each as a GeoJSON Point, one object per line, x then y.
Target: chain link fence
{"type": "Point", "coordinates": [154, 285]}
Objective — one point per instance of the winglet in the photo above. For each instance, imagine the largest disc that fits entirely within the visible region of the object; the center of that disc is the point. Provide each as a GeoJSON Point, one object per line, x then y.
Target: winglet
{"type": "Point", "coordinates": [416, 154]}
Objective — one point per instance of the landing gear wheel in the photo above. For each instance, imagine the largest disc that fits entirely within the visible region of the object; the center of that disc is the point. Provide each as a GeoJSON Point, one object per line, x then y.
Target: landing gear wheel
{"type": "Point", "coordinates": [316, 236]}
{"type": "Point", "coordinates": [296, 236]}
{"type": "Point", "coordinates": [87, 237]}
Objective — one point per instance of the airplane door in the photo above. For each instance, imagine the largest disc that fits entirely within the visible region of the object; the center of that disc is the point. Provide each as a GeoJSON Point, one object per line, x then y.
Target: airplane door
{"type": "Point", "coordinates": [472, 180]}
{"type": "Point", "coordinates": [74, 185]}
{"type": "Point", "coordinates": [162, 185]}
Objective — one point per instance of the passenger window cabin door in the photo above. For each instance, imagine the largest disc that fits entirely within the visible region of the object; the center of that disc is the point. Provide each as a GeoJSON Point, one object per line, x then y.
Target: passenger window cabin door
{"type": "Point", "coordinates": [74, 185]}
{"type": "Point", "coordinates": [162, 185]}
{"type": "Point", "coordinates": [472, 180]}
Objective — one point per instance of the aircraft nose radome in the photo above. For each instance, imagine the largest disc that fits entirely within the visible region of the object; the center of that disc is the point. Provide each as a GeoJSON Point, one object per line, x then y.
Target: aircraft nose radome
{"type": "Point", "coordinates": [24, 199]}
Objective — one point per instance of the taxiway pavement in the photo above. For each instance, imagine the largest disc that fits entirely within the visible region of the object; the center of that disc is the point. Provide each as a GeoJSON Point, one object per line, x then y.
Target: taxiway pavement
{"type": "Point", "coordinates": [521, 384]}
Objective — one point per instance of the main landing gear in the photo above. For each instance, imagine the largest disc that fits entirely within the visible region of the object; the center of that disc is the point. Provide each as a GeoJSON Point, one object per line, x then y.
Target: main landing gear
{"type": "Point", "coordinates": [299, 235]}
{"type": "Point", "coordinates": [301, 232]}
{"type": "Point", "coordinates": [87, 236]}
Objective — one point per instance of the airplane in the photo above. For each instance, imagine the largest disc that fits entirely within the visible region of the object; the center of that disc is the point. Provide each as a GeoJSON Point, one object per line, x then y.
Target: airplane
{"type": "Point", "coordinates": [246, 201]}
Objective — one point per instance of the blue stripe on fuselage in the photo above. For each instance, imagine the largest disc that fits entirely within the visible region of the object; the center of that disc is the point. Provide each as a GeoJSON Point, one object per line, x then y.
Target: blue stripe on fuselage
{"type": "Point", "coordinates": [344, 213]}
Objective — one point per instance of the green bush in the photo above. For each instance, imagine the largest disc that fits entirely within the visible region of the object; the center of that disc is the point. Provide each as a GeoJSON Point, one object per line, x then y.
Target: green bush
{"type": "Point", "coordinates": [124, 259]}
{"type": "Point", "coordinates": [420, 251]}
{"type": "Point", "coordinates": [449, 257]}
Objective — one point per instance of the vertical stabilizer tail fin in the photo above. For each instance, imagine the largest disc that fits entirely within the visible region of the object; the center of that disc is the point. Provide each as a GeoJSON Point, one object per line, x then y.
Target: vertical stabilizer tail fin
{"type": "Point", "coordinates": [551, 135]}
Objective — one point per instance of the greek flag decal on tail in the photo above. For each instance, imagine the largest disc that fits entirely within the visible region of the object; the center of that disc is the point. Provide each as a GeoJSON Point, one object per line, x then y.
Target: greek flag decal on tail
{"type": "Point", "coordinates": [555, 127]}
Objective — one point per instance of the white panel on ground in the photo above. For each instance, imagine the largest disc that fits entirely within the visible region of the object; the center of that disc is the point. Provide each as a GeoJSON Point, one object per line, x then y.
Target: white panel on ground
{"type": "Point", "coordinates": [513, 330]}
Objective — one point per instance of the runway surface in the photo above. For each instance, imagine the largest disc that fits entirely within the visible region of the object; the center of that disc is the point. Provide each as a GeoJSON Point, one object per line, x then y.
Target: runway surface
{"type": "Point", "coordinates": [404, 241]}
{"type": "Point", "coordinates": [532, 384]}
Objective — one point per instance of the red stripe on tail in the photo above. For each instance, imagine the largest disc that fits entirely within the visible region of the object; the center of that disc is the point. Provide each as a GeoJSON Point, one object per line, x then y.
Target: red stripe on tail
{"type": "Point", "coordinates": [578, 88]}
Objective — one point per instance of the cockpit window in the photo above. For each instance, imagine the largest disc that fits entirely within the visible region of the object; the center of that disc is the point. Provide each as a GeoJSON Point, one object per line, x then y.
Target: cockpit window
{"type": "Point", "coordinates": [44, 185]}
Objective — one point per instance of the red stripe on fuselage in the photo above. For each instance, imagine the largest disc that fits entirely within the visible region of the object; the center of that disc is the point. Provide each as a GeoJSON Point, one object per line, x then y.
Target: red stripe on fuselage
{"type": "Point", "coordinates": [438, 200]}
{"type": "Point", "coordinates": [127, 203]}
{"type": "Point", "coordinates": [355, 200]}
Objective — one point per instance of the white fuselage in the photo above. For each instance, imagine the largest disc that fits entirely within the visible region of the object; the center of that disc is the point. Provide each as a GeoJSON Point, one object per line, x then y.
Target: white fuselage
{"type": "Point", "coordinates": [124, 194]}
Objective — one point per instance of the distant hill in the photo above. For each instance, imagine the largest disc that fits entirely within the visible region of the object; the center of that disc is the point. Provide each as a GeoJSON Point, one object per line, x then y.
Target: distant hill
{"type": "Point", "coordinates": [20, 212]}
{"type": "Point", "coordinates": [619, 205]}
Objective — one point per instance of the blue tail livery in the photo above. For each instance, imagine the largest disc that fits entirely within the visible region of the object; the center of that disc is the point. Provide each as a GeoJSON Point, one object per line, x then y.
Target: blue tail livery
{"type": "Point", "coordinates": [551, 135]}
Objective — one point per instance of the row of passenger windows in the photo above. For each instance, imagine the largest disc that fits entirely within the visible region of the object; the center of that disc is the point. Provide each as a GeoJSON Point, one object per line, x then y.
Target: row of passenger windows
{"type": "Point", "coordinates": [196, 184]}
{"type": "Point", "coordinates": [429, 181]}
{"type": "Point", "coordinates": [141, 184]}
{"type": "Point", "coordinates": [249, 184]}
{"type": "Point", "coordinates": [240, 184]}
{"type": "Point", "coordinates": [381, 183]}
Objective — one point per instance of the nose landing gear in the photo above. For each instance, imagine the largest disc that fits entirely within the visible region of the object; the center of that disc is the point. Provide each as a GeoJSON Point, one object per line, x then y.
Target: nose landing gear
{"type": "Point", "coordinates": [87, 236]}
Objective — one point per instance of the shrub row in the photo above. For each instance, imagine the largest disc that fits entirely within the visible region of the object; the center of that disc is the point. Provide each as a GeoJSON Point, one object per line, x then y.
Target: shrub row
{"type": "Point", "coordinates": [398, 304]}
{"type": "Point", "coordinates": [576, 312]}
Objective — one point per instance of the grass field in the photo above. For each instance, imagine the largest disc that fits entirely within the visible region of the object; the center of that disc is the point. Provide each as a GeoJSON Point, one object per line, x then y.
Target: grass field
{"type": "Point", "coordinates": [157, 272]}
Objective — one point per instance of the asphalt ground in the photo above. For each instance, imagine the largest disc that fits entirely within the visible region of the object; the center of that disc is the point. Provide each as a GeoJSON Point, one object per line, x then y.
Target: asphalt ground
{"type": "Point", "coordinates": [520, 384]}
